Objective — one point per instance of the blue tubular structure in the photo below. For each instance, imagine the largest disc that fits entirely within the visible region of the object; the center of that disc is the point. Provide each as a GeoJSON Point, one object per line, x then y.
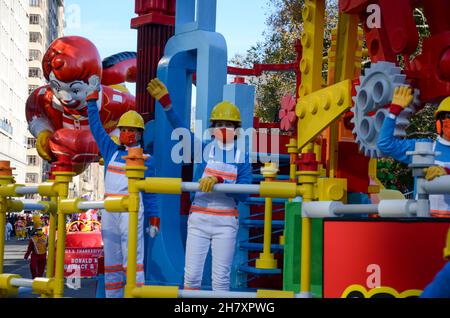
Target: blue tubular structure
{"type": "Point", "coordinates": [195, 48]}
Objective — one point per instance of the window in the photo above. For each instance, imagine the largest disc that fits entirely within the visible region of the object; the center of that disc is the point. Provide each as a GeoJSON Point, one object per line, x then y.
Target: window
{"type": "Point", "coordinates": [32, 161]}
{"type": "Point", "coordinates": [35, 55]}
{"type": "Point", "coordinates": [35, 19]}
{"type": "Point", "coordinates": [31, 178]}
{"type": "Point", "coordinates": [35, 3]}
{"type": "Point", "coordinates": [35, 72]}
{"type": "Point", "coordinates": [35, 37]}
{"type": "Point", "coordinates": [6, 125]}
{"type": "Point", "coordinates": [31, 143]}
{"type": "Point", "coordinates": [32, 88]}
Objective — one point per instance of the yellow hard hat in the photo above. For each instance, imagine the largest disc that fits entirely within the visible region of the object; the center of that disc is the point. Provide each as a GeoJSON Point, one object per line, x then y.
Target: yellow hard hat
{"type": "Point", "coordinates": [37, 222]}
{"type": "Point", "coordinates": [131, 119]}
{"type": "Point", "coordinates": [444, 106]}
{"type": "Point", "coordinates": [226, 111]}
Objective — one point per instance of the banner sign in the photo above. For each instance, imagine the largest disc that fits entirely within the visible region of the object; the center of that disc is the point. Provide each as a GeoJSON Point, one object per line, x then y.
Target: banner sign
{"type": "Point", "coordinates": [382, 258]}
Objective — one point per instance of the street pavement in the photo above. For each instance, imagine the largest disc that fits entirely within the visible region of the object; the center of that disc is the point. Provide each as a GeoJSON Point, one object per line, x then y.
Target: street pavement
{"type": "Point", "coordinates": [15, 264]}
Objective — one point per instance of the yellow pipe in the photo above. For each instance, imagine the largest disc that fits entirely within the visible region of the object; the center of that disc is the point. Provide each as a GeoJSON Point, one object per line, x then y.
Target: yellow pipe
{"type": "Point", "coordinates": [163, 185]}
{"type": "Point", "coordinates": [293, 151]}
{"type": "Point", "coordinates": [155, 292]}
{"type": "Point", "coordinates": [334, 131]}
{"type": "Point", "coordinates": [132, 247]}
{"type": "Point", "coordinates": [266, 259]}
{"type": "Point", "coordinates": [51, 242]}
{"type": "Point", "coordinates": [135, 171]}
{"type": "Point", "coordinates": [267, 226]}
{"type": "Point", "coordinates": [43, 286]}
{"type": "Point", "coordinates": [62, 180]}
{"type": "Point", "coordinates": [2, 231]}
{"type": "Point", "coordinates": [6, 179]}
{"type": "Point", "coordinates": [308, 181]}
{"type": "Point", "coordinates": [6, 288]}
{"type": "Point", "coordinates": [262, 293]}
{"type": "Point", "coordinates": [305, 274]}
{"type": "Point", "coordinates": [278, 190]}
{"type": "Point", "coordinates": [116, 204]}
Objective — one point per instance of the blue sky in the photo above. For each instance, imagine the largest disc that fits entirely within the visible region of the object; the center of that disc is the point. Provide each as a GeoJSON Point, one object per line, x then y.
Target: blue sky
{"type": "Point", "coordinates": [107, 23]}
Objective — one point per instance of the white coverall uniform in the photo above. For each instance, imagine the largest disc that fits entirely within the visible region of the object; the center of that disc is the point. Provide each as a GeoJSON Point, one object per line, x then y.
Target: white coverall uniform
{"type": "Point", "coordinates": [115, 234]}
{"type": "Point", "coordinates": [213, 221]}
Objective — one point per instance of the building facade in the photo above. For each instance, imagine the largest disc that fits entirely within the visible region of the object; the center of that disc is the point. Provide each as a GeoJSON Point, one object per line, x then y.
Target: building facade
{"type": "Point", "coordinates": [13, 84]}
{"type": "Point", "coordinates": [45, 24]}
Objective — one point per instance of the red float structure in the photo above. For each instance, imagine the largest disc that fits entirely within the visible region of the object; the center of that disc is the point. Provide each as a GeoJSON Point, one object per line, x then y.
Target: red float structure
{"type": "Point", "coordinates": [155, 25]}
{"type": "Point", "coordinates": [429, 71]}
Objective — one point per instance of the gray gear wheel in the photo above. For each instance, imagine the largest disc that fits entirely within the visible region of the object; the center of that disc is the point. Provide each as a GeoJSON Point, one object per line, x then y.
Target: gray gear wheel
{"type": "Point", "coordinates": [375, 91]}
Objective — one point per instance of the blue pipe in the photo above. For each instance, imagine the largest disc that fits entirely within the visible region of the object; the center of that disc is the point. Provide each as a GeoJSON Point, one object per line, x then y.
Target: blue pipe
{"type": "Point", "coordinates": [258, 200]}
{"type": "Point", "coordinates": [258, 177]}
{"type": "Point", "coordinates": [261, 155]}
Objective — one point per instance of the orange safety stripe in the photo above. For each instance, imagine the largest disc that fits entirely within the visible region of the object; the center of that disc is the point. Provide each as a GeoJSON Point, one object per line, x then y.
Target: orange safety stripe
{"type": "Point", "coordinates": [139, 268]}
{"type": "Point", "coordinates": [116, 167]}
{"type": "Point", "coordinates": [114, 287]}
{"type": "Point", "coordinates": [140, 284]}
{"type": "Point", "coordinates": [115, 283]}
{"type": "Point", "coordinates": [189, 288]}
{"type": "Point", "coordinates": [225, 175]}
{"type": "Point", "coordinates": [116, 171]}
{"type": "Point", "coordinates": [440, 214]}
{"type": "Point", "coordinates": [113, 268]}
{"type": "Point", "coordinates": [115, 195]}
{"type": "Point", "coordinates": [217, 214]}
{"type": "Point", "coordinates": [202, 210]}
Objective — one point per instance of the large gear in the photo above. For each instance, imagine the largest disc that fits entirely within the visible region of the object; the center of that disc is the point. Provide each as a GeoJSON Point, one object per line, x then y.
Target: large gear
{"type": "Point", "coordinates": [375, 91]}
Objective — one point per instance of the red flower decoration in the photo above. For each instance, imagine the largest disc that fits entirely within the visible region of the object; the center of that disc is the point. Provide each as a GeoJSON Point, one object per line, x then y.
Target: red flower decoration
{"type": "Point", "coordinates": [287, 112]}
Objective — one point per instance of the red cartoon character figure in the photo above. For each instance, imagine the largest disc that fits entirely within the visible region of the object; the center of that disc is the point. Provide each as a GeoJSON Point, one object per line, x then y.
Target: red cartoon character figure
{"type": "Point", "coordinates": [57, 113]}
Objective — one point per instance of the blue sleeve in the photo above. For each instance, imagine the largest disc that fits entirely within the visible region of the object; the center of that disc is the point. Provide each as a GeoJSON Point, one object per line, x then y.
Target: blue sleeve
{"type": "Point", "coordinates": [176, 122]}
{"type": "Point", "coordinates": [105, 144]}
{"type": "Point", "coordinates": [149, 199]}
{"type": "Point", "coordinates": [392, 146]}
{"type": "Point", "coordinates": [244, 177]}
{"type": "Point", "coordinates": [440, 286]}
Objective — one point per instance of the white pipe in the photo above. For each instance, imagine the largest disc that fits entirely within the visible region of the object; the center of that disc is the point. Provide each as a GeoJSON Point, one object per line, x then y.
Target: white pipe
{"type": "Point", "coordinates": [439, 185]}
{"type": "Point", "coordinates": [386, 208]}
{"type": "Point", "coordinates": [27, 190]}
{"type": "Point", "coordinates": [223, 188]}
{"type": "Point", "coordinates": [22, 282]}
{"type": "Point", "coordinates": [33, 206]}
{"type": "Point", "coordinates": [183, 293]}
{"type": "Point", "coordinates": [397, 208]}
{"type": "Point", "coordinates": [356, 209]}
{"type": "Point", "coordinates": [320, 209]}
{"type": "Point", "coordinates": [91, 205]}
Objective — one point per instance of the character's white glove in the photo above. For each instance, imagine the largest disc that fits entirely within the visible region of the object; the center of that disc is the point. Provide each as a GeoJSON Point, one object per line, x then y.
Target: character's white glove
{"type": "Point", "coordinates": [153, 229]}
{"type": "Point", "coordinates": [94, 87]}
